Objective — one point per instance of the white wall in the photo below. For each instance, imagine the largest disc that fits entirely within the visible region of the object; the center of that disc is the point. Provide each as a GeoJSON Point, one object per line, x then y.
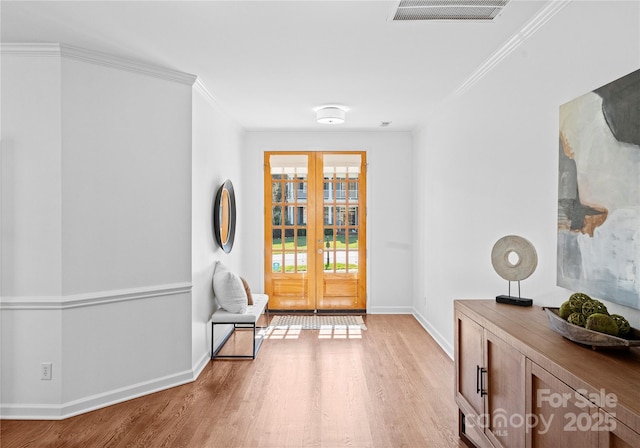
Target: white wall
{"type": "Point", "coordinates": [389, 201]}
{"type": "Point", "coordinates": [30, 226]}
{"type": "Point", "coordinates": [108, 299]}
{"type": "Point", "coordinates": [126, 181]}
{"type": "Point", "coordinates": [487, 165]}
{"type": "Point", "coordinates": [126, 224]}
{"type": "Point", "coordinates": [216, 157]}
{"type": "Point", "coordinates": [31, 176]}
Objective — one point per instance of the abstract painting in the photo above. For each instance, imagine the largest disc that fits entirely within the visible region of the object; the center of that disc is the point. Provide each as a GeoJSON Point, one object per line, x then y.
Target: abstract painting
{"type": "Point", "coordinates": [599, 193]}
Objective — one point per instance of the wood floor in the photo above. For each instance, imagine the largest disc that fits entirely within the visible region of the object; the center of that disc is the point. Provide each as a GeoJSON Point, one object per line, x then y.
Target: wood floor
{"type": "Point", "coordinates": [391, 387]}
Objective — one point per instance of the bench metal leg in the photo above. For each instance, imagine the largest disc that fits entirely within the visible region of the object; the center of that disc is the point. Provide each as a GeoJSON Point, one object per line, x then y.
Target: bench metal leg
{"type": "Point", "coordinates": [257, 342]}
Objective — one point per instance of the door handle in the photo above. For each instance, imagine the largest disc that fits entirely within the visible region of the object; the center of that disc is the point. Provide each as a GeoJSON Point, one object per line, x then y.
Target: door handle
{"type": "Point", "coordinates": [480, 381]}
{"type": "Point", "coordinates": [320, 251]}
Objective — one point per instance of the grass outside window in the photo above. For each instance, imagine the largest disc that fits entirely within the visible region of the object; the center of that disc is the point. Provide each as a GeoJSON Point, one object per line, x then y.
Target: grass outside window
{"type": "Point", "coordinates": [289, 243]}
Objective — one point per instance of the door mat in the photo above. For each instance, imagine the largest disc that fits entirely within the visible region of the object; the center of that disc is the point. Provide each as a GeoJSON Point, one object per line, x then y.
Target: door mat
{"type": "Point", "coordinates": [316, 322]}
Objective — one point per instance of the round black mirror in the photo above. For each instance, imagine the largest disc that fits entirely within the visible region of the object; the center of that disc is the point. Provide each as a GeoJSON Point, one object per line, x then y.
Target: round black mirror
{"type": "Point", "coordinates": [224, 216]}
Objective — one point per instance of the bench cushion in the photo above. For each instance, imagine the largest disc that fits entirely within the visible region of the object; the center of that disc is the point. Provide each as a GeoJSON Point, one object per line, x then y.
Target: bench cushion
{"type": "Point", "coordinates": [250, 316]}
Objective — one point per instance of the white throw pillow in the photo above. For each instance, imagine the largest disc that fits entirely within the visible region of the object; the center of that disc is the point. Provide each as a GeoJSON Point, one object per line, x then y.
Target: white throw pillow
{"type": "Point", "coordinates": [229, 290]}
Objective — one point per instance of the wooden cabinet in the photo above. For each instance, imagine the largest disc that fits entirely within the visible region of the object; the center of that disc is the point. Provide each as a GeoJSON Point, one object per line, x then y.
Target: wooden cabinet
{"type": "Point", "coordinates": [558, 415]}
{"type": "Point", "coordinates": [519, 384]}
{"type": "Point", "coordinates": [491, 373]}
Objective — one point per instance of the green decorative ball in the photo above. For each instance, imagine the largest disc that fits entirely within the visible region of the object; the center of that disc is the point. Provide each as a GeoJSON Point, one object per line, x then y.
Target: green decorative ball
{"type": "Point", "coordinates": [593, 307]}
{"type": "Point", "coordinates": [623, 324]}
{"type": "Point", "coordinates": [565, 310]}
{"type": "Point", "coordinates": [576, 301]}
{"type": "Point", "coordinates": [577, 319]}
{"type": "Point", "coordinates": [602, 323]}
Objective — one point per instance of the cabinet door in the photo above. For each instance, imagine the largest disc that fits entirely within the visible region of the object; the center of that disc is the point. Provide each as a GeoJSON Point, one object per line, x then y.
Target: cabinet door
{"type": "Point", "coordinates": [505, 393]}
{"type": "Point", "coordinates": [469, 361]}
{"type": "Point", "coordinates": [614, 434]}
{"type": "Point", "coordinates": [557, 415]}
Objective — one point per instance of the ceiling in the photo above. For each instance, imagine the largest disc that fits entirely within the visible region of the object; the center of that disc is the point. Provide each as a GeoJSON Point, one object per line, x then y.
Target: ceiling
{"type": "Point", "coordinates": [270, 63]}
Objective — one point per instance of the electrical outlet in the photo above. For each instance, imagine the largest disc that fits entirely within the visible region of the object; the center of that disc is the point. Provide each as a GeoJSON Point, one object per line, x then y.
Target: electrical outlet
{"type": "Point", "coordinates": [45, 371]}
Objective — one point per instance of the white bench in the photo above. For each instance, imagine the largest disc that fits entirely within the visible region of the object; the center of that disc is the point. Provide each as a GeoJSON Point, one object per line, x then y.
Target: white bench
{"type": "Point", "coordinates": [247, 321]}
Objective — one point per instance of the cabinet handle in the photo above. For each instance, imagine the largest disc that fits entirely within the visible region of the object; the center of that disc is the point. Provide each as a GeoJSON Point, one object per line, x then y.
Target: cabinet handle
{"type": "Point", "coordinates": [480, 381]}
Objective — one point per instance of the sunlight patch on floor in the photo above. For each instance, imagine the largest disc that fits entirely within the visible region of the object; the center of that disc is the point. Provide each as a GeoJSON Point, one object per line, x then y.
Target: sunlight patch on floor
{"type": "Point", "coordinates": [325, 332]}
{"type": "Point", "coordinates": [283, 332]}
{"type": "Point", "coordinates": [340, 332]}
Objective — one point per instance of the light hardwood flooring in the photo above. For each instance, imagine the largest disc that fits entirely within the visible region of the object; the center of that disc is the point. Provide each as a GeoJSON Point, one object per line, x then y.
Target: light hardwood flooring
{"type": "Point", "coordinates": [391, 387]}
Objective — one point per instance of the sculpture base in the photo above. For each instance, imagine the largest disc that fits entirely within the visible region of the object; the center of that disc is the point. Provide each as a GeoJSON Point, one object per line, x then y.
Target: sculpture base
{"type": "Point", "coordinates": [510, 300]}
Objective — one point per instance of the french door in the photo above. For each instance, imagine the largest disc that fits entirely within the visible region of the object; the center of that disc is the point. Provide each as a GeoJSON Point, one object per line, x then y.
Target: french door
{"type": "Point", "coordinates": [315, 230]}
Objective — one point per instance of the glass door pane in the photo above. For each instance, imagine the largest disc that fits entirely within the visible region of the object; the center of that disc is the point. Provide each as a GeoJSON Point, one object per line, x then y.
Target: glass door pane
{"type": "Point", "coordinates": [287, 258]}
{"type": "Point", "coordinates": [315, 231]}
{"type": "Point", "coordinates": [343, 284]}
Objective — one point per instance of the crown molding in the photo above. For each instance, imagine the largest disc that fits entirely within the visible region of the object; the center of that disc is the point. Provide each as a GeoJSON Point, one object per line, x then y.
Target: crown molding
{"type": "Point", "coordinates": [33, 50]}
{"type": "Point", "coordinates": [94, 298]}
{"type": "Point", "coordinates": [202, 89]}
{"type": "Point", "coordinates": [545, 14]}
{"type": "Point", "coordinates": [97, 58]}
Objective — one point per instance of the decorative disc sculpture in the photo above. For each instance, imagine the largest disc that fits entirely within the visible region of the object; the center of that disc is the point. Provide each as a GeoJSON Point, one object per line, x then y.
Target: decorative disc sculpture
{"type": "Point", "coordinates": [514, 259]}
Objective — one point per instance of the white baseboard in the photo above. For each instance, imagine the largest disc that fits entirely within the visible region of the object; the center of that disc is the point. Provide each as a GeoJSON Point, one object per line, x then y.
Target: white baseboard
{"type": "Point", "coordinates": [435, 334]}
{"type": "Point", "coordinates": [98, 401]}
{"type": "Point", "coordinates": [200, 365]}
{"type": "Point", "coordinates": [77, 407]}
{"type": "Point", "coordinates": [91, 403]}
{"type": "Point", "coordinates": [390, 310]}
{"type": "Point", "coordinates": [440, 340]}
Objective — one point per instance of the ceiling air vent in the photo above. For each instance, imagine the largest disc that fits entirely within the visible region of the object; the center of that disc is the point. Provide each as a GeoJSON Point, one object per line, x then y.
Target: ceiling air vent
{"type": "Point", "coordinates": [449, 9]}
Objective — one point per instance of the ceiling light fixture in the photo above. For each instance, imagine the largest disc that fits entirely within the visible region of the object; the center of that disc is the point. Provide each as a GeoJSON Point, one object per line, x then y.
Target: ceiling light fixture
{"type": "Point", "coordinates": [330, 115]}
